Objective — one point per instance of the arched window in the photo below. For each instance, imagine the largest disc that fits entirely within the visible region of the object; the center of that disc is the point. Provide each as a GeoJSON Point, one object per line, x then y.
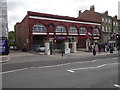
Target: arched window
{"type": "Point", "coordinates": [96, 31]}
{"type": "Point", "coordinates": [72, 29]}
{"type": "Point", "coordinates": [60, 28]}
{"type": "Point", "coordinates": [39, 27]}
{"type": "Point", "coordinates": [83, 30]}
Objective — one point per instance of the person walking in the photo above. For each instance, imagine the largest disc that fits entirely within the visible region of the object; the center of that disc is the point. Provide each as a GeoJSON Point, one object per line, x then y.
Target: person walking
{"type": "Point", "coordinates": [118, 48]}
{"type": "Point", "coordinates": [111, 49]}
{"type": "Point", "coordinates": [103, 48]}
{"type": "Point", "coordinates": [107, 48]}
{"type": "Point", "coordinates": [99, 48]}
{"type": "Point", "coordinates": [90, 48]}
{"type": "Point", "coordinates": [94, 51]}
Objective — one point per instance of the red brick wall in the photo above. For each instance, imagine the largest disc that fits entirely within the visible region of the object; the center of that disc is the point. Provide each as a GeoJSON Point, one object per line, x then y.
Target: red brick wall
{"type": "Point", "coordinates": [90, 16]}
{"type": "Point", "coordinates": [25, 33]}
{"type": "Point", "coordinates": [22, 34]}
{"type": "Point", "coordinates": [18, 35]}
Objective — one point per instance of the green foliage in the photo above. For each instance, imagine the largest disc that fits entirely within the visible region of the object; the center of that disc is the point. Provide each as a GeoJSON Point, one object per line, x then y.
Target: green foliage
{"type": "Point", "coordinates": [11, 37]}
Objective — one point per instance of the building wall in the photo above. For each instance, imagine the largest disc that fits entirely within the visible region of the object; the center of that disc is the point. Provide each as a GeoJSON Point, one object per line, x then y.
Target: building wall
{"type": "Point", "coordinates": [25, 34]}
{"type": "Point", "coordinates": [90, 15]}
{"type": "Point", "coordinates": [17, 35]}
{"type": "Point", "coordinates": [115, 25]}
{"type": "Point", "coordinates": [22, 34]}
{"type": "Point", "coordinates": [107, 27]}
{"type": "Point", "coordinates": [119, 26]}
{"type": "Point", "coordinates": [46, 23]}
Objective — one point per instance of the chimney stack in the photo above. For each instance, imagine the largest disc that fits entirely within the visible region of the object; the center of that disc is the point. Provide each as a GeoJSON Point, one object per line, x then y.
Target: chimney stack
{"type": "Point", "coordinates": [92, 8]}
{"type": "Point", "coordinates": [106, 13]}
{"type": "Point", "coordinates": [80, 12]}
{"type": "Point", "coordinates": [115, 17]}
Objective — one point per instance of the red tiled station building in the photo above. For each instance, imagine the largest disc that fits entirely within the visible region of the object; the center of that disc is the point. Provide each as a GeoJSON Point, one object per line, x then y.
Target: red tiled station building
{"type": "Point", "coordinates": [37, 28]}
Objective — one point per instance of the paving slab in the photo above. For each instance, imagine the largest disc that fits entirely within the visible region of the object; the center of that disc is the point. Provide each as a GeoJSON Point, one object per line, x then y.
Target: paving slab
{"type": "Point", "coordinates": [19, 57]}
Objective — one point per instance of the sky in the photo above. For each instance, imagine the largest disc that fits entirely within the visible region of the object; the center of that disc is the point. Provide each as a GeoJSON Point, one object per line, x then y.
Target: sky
{"type": "Point", "coordinates": [17, 9]}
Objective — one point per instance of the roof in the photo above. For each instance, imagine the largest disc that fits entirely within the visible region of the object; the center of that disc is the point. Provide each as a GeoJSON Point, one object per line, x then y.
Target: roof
{"type": "Point", "coordinates": [90, 16]}
{"type": "Point", "coordinates": [31, 13]}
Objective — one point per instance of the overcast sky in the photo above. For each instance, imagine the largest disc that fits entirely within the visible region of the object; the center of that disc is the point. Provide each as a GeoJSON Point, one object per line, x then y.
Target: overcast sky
{"type": "Point", "coordinates": [17, 9]}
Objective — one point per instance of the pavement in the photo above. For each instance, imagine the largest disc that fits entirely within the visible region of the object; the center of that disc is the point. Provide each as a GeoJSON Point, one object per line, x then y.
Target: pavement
{"type": "Point", "coordinates": [13, 57]}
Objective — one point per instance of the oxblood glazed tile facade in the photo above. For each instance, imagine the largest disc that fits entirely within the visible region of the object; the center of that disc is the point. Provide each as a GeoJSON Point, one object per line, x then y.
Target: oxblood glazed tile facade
{"type": "Point", "coordinates": [36, 28]}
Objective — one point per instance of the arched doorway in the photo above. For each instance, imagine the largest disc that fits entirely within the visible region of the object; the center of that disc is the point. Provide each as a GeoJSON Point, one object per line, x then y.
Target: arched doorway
{"type": "Point", "coordinates": [39, 35]}
{"type": "Point", "coordinates": [72, 31]}
{"type": "Point", "coordinates": [82, 37]}
{"type": "Point", "coordinates": [61, 36]}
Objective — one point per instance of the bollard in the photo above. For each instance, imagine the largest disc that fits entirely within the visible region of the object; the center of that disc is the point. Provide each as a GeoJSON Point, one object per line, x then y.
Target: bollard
{"type": "Point", "coordinates": [62, 53]}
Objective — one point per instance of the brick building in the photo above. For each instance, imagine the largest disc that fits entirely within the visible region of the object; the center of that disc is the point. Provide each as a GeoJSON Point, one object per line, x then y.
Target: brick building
{"type": "Point", "coordinates": [109, 24]}
{"type": "Point", "coordinates": [37, 28]}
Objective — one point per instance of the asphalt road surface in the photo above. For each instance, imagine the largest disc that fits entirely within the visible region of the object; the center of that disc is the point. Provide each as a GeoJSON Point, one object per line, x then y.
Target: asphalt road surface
{"type": "Point", "coordinates": [94, 73]}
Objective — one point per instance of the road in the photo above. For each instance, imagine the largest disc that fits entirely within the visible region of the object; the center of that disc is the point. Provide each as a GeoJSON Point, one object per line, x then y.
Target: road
{"type": "Point", "coordinates": [87, 73]}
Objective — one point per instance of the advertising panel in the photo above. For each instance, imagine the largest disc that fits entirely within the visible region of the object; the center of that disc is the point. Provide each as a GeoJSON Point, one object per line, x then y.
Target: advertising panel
{"type": "Point", "coordinates": [4, 47]}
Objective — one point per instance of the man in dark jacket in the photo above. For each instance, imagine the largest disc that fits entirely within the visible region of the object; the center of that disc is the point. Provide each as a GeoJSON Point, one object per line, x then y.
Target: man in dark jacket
{"type": "Point", "coordinates": [94, 51]}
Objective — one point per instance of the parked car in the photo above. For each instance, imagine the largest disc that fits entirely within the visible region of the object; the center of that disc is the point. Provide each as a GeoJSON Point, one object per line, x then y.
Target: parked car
{"type": "Point", "coordinates": [39, 48]}
{"type": "Point", "coordinates": [42, 48]}
{"type": "Point", "coordinates": [13, 48]}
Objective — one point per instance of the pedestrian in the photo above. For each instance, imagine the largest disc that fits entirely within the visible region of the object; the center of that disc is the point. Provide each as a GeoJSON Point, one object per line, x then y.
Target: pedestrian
{"type": "Point", "coordinates": [111, 49]}
{"type": "Point", "coordinates": [94, 51]}
{"type": "Point", "coordinates": [107, 48]}
{"type": "Point", "coordinates": [103, 48]}
{"type": "Point", "coordinates": [118, 48]}
{"type": "Point", "coordinates": [90, 48]}
{"type": "Point", "coordinates": [99, 48]}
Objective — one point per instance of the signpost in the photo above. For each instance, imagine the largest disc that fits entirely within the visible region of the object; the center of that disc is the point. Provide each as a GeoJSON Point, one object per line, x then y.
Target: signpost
{"type": "Point", "coordinates": [4, 49]}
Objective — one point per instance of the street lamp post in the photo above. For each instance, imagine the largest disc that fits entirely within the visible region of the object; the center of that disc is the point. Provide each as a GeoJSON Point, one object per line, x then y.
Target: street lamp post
{"type": "Point", "coordinates": [118, 42]}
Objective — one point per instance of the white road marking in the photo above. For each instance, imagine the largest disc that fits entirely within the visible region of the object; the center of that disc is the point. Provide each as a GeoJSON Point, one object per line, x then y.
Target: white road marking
{"type": "Point", "coordinates": [7, 72]}
{"type": "Point", "coordinates": [48, 66]}
{"type": "Point", "coordinates": [4, 61]}
{"type": "Point", "coordinates": [67, 63]}
{"type": "Point", "coordinates": [55, 65]}
{"type": "Point", "coordinates": [13, 71]}
{"type": "Point", "coordinates": [73, 70]}
{"type": "Point", "coordinates": [70, 71]}
{"type": "Point", "coordinates": [95, 60]}
{"type": "Point", "coordinates": [33, 68]}
{"type": "Point", "coordinates": [101, 66]}
{"type": "Point", "coordinates": [116, 85]}
{"type": "Point", "coordinates": [21, 69]}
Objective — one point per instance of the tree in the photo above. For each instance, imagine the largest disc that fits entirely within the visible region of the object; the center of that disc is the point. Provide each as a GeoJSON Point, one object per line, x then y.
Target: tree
{"type": "Point", "coordinates": [11, 38]}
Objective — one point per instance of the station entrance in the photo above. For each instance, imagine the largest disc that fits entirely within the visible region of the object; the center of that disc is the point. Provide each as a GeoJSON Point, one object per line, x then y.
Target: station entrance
{"type": "Point", "coordinates": [60, 45]}
{"type": "Point", "coordinates": [39, 40]}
